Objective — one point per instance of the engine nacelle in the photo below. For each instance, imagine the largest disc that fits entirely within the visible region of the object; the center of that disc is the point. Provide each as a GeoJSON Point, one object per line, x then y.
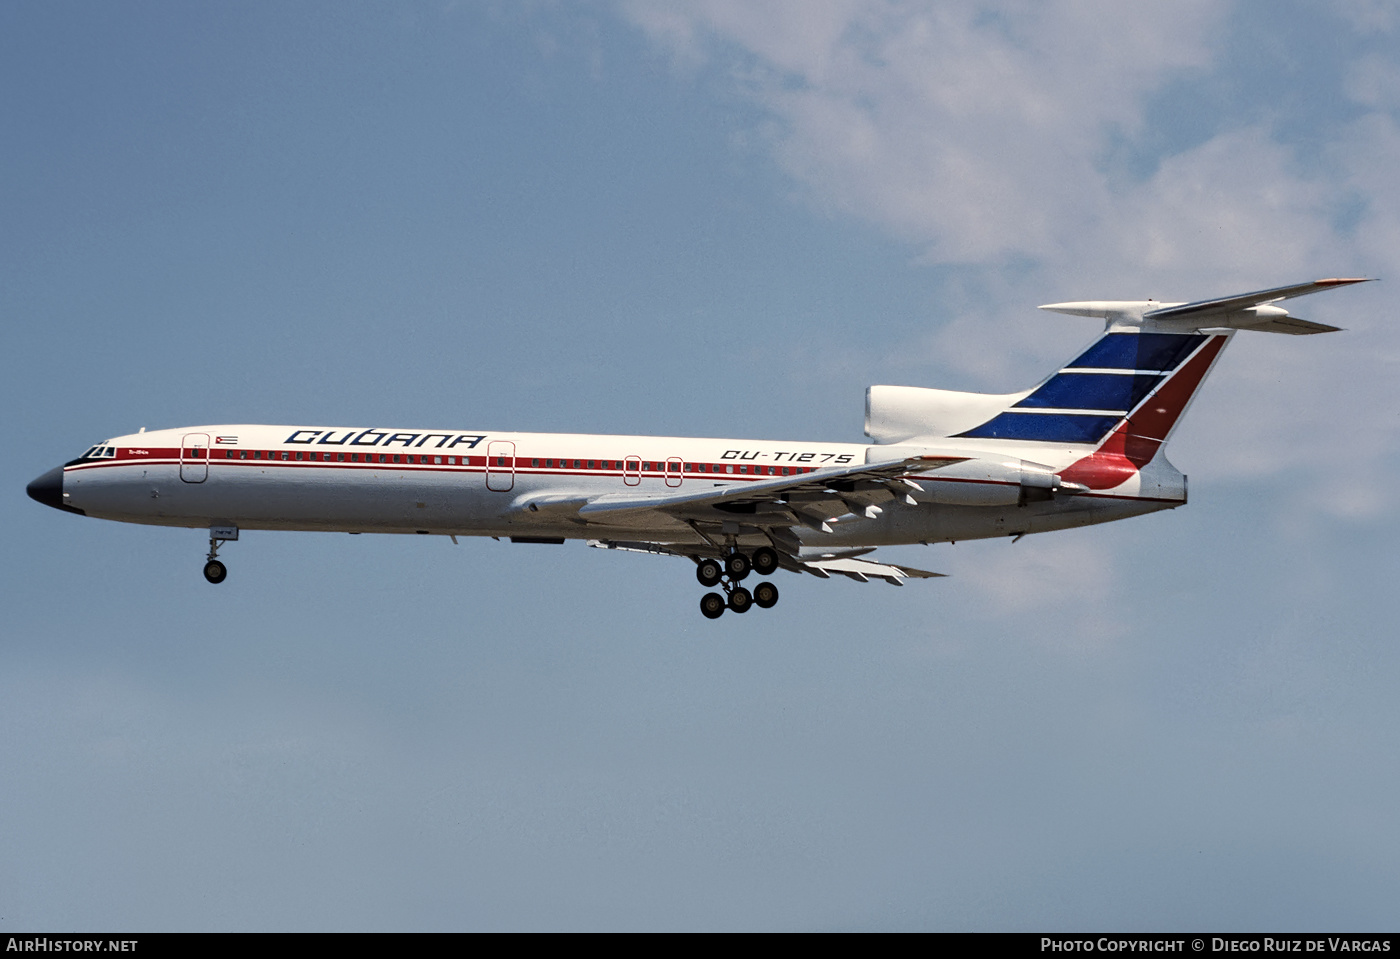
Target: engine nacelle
{"type": "Point", "coordinates": [1005, 481]}
{"type": "Point", "coordinates": [899, 414]}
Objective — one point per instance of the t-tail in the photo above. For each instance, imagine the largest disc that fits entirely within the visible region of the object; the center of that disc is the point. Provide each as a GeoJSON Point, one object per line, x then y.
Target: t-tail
{"type": "Point", "coordinates": [1115, 404]}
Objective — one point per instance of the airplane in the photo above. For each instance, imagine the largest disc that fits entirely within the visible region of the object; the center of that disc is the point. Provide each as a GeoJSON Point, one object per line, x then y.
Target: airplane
{"type": "Point", "coordinates": [1084, 446]}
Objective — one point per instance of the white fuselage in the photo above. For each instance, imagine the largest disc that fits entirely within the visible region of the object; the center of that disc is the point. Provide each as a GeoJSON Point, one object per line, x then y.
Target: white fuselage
{"type": "Point", "coordinates": [483, 483]}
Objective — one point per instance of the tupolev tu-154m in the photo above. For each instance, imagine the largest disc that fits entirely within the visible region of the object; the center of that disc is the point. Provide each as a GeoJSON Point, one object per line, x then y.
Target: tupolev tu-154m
{"type": "Point", "coordinates": [1085, 446]}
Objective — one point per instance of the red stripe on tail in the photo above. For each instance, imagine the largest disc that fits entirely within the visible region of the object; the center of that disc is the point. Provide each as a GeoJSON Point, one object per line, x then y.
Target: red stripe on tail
{"type": "Point", "coordinates": [1134, 442]}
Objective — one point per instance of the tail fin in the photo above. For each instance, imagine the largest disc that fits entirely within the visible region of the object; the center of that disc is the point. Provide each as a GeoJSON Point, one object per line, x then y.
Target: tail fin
{"type": "Point", "coordinates": [1126, 391]}
{"type": "Point", "coordinates": [1118, 374]}
{"type": "Point", "coordinates": [1136, 438]}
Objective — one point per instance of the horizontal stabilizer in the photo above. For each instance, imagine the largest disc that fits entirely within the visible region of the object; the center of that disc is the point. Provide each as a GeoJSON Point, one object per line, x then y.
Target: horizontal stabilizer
{"type": "Point", "coordinates": [1232, 304]}
{"type": "Point", "coordinates": [1244, 311]}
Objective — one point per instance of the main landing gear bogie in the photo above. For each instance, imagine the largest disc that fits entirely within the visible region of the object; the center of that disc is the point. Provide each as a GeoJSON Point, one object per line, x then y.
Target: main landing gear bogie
{"type": "Point", "coordinates": [736, 567]}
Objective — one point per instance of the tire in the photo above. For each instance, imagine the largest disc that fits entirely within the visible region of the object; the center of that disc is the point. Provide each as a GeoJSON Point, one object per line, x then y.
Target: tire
{"type": "Point", "coordinates": [708, 571]}
{"type": "Point", "coordinates": [741, 600]}
{"type": "Point", "coordinates": [737, 565]}
{"type": "Point", "coordinates": [765, 561]}
{"type": "Point", "coordinates": [765, 594]}
{"type": "Point", "coordinates": [712, 605]}
{"type": "Point", "coordinates": [215, 571]}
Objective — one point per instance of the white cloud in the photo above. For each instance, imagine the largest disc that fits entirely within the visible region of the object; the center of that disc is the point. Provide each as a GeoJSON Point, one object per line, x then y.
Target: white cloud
{"type": "Point", "coordinates": [1067, 582]}
{"type": "Point", "coordinates": [973, 129]}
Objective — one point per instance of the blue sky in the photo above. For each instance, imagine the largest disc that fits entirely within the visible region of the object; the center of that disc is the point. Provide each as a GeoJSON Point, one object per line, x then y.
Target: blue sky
{"type": "Point", "coordinates": [706, 219]}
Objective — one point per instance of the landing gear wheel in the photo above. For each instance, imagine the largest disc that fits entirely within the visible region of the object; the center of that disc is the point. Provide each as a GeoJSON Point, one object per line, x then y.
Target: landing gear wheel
{"type": "Point", "coordinates": [712, 605]}
{"type": "Point", "coordinates": [737, 565]}
{"type": "Point", "coordinates": [708, 571]}
{"type": "Point", "coordinates": [215, 571]}
{"type": "Point", "coordinates": [740, 600]}
{"type": "Point", "coordinates": [765, 561]}
{"type": "Point", "coordinates": [765, 594]}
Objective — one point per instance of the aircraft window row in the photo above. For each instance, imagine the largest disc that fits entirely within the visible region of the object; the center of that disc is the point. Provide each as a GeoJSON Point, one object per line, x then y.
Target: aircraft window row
{"type": "Point", "coordinates": [329, 457]}
{"type": "Point", "coordinates": [651, 466]}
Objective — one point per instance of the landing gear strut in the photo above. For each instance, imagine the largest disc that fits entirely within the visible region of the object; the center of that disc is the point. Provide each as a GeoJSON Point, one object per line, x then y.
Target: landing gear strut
{"type": "Point", "coordinates": [215, 571]}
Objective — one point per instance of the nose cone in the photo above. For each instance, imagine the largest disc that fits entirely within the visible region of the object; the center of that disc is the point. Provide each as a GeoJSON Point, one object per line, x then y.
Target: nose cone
{"type": "Point", "coordinates": [48, 489]}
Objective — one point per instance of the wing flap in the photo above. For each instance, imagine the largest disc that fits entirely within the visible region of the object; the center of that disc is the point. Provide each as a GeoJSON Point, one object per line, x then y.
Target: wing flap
{"type": "Point", "coordinates": [864, 570]}
{"type": "Point", "coordinates": [823, 566]}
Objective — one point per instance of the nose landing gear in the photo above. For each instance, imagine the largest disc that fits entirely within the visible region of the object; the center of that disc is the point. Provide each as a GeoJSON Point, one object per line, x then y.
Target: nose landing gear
{"type": "Point", "coordinates": [215, 571]}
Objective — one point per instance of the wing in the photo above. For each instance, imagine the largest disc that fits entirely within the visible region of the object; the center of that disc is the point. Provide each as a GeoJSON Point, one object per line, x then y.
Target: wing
{"type": "Point", "coordinates": [669, 522]}
{"type": "Point", "coordinates": [813, 499]}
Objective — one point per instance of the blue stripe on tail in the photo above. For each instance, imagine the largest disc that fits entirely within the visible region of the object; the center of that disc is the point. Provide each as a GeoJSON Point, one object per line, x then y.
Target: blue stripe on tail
{"type": "Point", "coordinates": [1091, 391]}
{"type": "Point", "coordinates": [1087, 406]}
{"type": "Point", "coordinates": [1048, 427]}
{"type": "Point", "coordinates": [1138, 351]}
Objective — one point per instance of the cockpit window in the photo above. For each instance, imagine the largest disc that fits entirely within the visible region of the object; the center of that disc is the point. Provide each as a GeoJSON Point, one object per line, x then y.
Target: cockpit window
{"type": "Point", "coordinates": [99, 453]}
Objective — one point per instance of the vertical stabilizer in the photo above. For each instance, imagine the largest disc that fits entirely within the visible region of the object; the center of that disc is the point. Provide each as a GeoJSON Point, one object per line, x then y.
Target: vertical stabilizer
{"type": "Point", "coordinates": [1123, 373]}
